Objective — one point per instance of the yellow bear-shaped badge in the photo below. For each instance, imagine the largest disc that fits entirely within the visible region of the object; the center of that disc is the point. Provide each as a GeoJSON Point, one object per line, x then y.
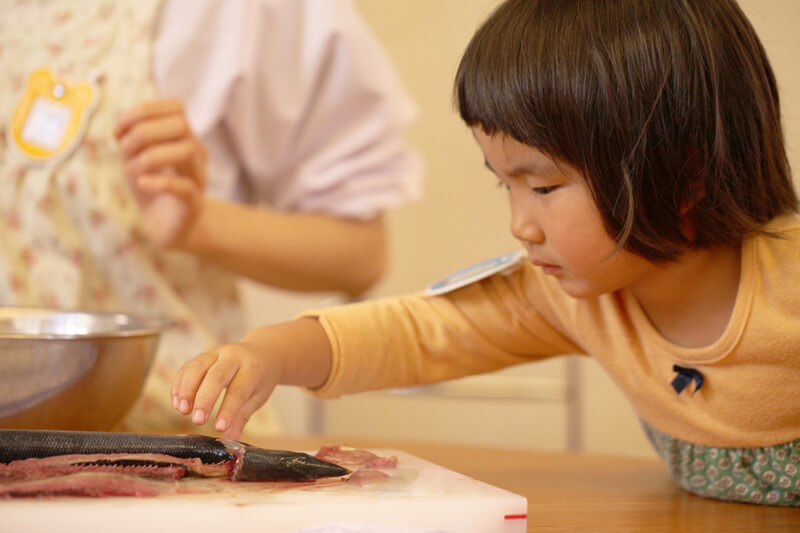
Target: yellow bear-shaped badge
{"type": "Point", "coordinates": [51, 116]}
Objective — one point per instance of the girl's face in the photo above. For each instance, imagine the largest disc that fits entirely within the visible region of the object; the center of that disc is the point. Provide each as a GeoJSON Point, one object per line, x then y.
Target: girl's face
{"type": "Point", "coordinates": [554, 216]}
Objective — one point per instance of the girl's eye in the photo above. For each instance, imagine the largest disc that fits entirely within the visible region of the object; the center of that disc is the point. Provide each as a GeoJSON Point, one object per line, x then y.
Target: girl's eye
{"type": "Point", "coordinates": [502, 185]}
{"type": "Point", "coordinates": [544, 190]}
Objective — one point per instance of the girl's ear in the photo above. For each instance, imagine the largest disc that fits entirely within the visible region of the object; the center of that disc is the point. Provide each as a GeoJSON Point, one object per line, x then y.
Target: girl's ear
{"type": "Point", "coordinates": [696, 190]}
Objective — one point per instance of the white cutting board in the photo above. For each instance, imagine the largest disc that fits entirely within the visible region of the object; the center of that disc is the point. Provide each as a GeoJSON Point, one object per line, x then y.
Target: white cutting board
{"type": "Point", "coordinates": [419, 497]}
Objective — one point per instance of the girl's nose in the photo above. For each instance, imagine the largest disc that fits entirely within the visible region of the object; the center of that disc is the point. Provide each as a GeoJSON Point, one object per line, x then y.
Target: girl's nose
{"type": "Point", "coordinates": [524, 226]}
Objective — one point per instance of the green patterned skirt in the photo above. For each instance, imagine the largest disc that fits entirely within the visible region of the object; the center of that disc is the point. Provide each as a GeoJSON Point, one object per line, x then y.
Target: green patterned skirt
{"type": "Point", "coordinates": [768, 475]}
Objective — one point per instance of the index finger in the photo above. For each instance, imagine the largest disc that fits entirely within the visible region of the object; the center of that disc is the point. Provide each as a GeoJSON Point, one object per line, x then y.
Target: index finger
{"type": "Point", "coordinates": [146, 110]}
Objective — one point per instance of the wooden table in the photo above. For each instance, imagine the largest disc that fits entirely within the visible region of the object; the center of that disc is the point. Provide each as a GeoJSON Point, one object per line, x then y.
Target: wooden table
{"type": "Point", "coordinates": [576, 492]}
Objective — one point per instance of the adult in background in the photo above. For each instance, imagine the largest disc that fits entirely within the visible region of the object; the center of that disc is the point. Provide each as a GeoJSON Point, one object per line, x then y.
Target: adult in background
{"type": "Point", "coordinates": [258, 138]}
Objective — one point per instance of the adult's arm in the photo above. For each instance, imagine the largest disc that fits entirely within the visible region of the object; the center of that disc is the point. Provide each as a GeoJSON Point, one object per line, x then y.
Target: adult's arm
{"type": "Point", "coordinates": [304, 121]}
{"type": "Point", "coordinates": [299, 251]}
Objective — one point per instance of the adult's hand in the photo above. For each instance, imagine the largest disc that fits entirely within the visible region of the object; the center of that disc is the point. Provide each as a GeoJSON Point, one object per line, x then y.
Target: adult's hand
{"type": "Point", "coordinates": [165, 166]}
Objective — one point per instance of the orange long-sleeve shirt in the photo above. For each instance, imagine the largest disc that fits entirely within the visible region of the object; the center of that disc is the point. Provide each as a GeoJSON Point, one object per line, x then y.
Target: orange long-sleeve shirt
{"type": "Point", "coordinates": [751, 394]}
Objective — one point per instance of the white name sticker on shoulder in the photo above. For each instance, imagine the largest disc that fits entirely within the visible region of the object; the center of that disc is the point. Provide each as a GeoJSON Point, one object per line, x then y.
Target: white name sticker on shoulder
{"type": "Point", "coordinates": [476, 272]}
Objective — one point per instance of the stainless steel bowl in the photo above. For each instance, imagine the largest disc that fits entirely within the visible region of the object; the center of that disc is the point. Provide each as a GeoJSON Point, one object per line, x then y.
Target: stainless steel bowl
{"type": "Point", "coordinates": [72, 370]}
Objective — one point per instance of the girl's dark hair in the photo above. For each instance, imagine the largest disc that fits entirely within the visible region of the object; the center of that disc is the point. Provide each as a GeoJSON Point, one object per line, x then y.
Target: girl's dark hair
{"type": "Point", "coordinates": [669, 108]}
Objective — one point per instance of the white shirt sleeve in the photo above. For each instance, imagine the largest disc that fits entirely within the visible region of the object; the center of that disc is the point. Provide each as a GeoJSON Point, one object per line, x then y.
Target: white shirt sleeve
{"type": "Point", "coordinates": [296, 101]}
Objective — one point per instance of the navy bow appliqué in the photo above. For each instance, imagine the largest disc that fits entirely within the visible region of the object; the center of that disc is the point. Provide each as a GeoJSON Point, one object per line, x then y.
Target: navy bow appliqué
{"type": "Point", "coordinates": [685, 377]}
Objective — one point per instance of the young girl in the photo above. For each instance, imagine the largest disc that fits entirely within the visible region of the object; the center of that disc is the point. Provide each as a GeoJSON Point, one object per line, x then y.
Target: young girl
{"type": "Point", "coordinates": [641, 147]}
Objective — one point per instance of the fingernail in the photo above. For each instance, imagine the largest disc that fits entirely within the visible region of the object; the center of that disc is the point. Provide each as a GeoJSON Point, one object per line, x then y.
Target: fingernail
{"type": "Point", "coordinates": [175, 401]}
{"type": "Point", "coordinates": [184, 406]}
{"type": "Point", "coordinates": [199, 416]}
{"type": "Point", "coordinates": [221, 424]}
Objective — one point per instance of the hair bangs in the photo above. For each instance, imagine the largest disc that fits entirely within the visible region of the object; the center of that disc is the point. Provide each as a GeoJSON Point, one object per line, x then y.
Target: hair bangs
{"type": "Point", "coordinates": [513, 80]}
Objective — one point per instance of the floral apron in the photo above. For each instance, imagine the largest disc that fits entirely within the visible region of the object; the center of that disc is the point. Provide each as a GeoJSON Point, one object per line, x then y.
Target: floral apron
{"type": "Point", "coordinates": [70, 231]}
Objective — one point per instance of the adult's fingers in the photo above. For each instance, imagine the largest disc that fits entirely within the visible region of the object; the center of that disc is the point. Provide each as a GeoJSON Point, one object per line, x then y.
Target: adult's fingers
{"type": "Point", "coordinates": [165, 155]}
{"type": "Point", "coordinates": [157, 130]}
{"type": "Point", "coordinates": [177, 185]}
{"type": "Point", "coordinates": [144, 111]}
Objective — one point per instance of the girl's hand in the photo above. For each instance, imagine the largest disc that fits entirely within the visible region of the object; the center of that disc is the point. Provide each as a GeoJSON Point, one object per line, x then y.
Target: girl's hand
{"type": "Point", "coordinates": [165, 165]}
{"type": "Point", "coordinates": [248, 374]}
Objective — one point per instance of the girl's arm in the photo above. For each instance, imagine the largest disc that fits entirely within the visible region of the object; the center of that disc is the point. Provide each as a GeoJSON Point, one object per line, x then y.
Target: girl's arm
{"type": "Point", "coordinates": [291, 353]}
{"type": "Point", "coordinates": [377, 344]}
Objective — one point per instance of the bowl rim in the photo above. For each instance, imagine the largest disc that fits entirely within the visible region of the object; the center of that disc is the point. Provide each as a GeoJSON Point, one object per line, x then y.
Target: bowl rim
{"type": "Point", "coordinates": [143, 327]}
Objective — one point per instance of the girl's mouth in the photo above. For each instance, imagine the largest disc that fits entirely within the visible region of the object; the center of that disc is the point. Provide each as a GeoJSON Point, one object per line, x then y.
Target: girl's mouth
{"type": "Point", "coordinates": [551, 269]}
{"type": "Point", "coordinates": [547, 268]}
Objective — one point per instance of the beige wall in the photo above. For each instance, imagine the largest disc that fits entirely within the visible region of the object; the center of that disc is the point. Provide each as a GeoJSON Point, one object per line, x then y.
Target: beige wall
{"type": "Point", "coordinates": [463, 217]}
